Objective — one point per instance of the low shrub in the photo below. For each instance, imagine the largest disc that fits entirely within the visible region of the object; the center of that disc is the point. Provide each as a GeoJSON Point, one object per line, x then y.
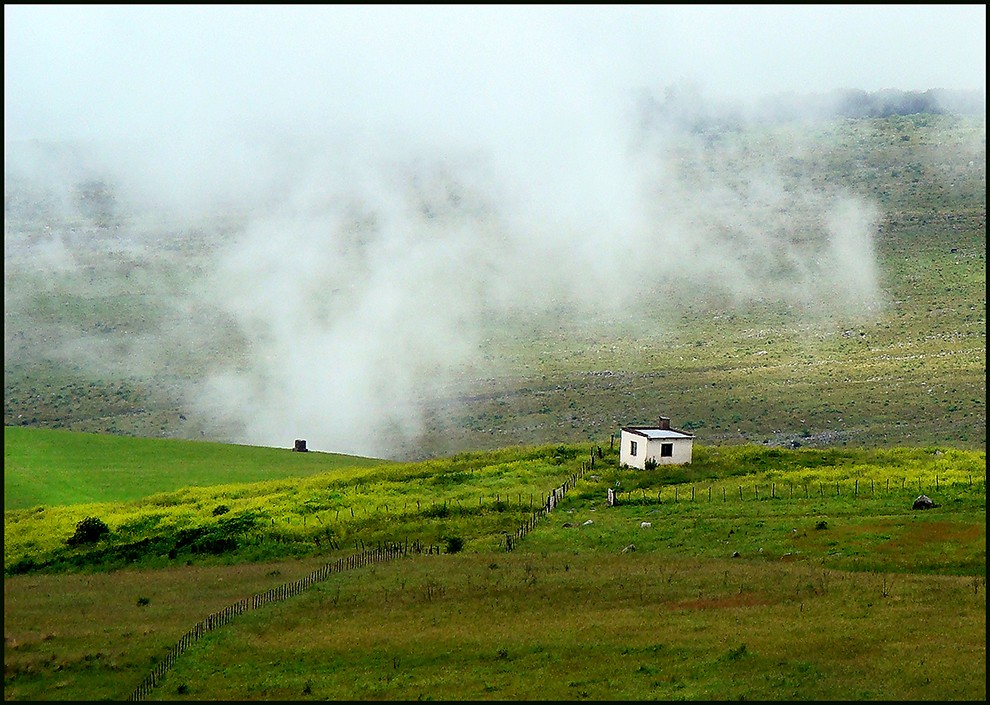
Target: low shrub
{"type": "Point", "coordinates": [88, 530]}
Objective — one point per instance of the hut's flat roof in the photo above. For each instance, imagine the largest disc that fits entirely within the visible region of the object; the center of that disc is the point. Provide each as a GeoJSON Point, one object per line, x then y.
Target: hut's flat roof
{"type": "Point", "coordinates": [654, 433]}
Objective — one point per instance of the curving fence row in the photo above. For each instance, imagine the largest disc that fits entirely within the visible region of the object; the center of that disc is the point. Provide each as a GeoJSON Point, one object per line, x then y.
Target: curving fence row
{"type": "Point", "coordinates": [381, 552]}
{"type": "Point", "coordinates": [391, 550]}
{"type": "Point", "coordinates": [554, 496]}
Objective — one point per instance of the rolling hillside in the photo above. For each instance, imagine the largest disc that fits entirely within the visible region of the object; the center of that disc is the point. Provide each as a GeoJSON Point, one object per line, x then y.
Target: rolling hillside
{"type": "Point", "coordinates": [699, 581]}
{"type": "Point", "coordinates": [46, 467]}
{"type": "Point", "coordinates": [765, 368]}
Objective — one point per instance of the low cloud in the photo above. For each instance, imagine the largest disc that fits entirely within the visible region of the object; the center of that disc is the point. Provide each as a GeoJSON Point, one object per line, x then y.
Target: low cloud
{"type": "Point", "coordinates": [365, 291]}
{"type": "Point", "coordinates": [319, 212]}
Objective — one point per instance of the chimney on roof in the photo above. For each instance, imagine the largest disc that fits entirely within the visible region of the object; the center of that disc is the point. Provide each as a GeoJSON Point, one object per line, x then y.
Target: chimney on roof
{"type": "Point", "coordinates": [664, 423]}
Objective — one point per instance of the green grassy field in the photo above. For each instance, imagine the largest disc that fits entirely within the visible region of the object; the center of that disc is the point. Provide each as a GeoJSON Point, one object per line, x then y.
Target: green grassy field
{"type": "Point", "coordinates": [538, 626]}
{"type": "Point", "coordinates": [524, 625]}
{"type": "Point", "coordinates": [590, 604]}
{"type": "Point", "coordinates": [43, 467]}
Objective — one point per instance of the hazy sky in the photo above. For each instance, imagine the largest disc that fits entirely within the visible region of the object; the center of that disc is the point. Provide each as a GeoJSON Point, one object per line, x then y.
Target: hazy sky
{"type": "Point", "coordinates": [98, 70]}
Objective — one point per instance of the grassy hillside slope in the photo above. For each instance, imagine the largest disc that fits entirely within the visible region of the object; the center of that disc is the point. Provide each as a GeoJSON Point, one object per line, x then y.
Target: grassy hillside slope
{"type": "Point", "coordinates": [760, 573]}
{"type": "Point", "coordinates": [478, 497]}
{"type": "Point", "coordinates": [633, 626]}
{"type": "Point", "coordinates": [43, 467]}
{"type": "Point", "coordinates": [911, 372]}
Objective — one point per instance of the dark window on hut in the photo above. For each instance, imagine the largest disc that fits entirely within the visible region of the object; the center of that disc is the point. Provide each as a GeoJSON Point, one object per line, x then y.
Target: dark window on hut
{"type": "Point", "coordinates": [632, 447]}
{"type": "Point", "coordinates": [666, 450]}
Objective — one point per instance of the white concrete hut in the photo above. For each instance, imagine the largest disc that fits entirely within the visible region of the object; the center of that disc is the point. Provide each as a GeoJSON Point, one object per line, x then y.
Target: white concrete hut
{"type": "Point", "coordinates": [660, 443]}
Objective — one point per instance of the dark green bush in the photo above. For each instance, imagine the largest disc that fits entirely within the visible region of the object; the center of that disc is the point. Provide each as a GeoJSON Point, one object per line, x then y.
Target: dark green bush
{"type": "Point", "coordinates": [214, 545]}
{"type": "Point", "coordinates": [88, 530]}
{"type": "Point", "coordinates": [238, 523]}
{"type": "Point", "coordinates": [21, 567]}
{"type": "Point", "coordinates": [454, 544]}
{"type": "Point", "coordinates": [737, 653]}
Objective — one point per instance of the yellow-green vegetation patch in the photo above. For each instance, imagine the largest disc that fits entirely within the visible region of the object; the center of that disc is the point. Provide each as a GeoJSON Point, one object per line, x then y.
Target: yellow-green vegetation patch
{"type": "Point", "coordinates": [472, 498]}
{"type": "Point", "coordinates": [678, 590]}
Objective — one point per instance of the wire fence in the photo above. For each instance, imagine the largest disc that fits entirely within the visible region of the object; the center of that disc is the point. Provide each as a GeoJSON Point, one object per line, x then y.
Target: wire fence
{"type": "Point", "coordinates": [855, 487]}
{"type": "Point", "coordinates": [381, 552]}
{"type": "Point", "coordinates": [553, 498]}
{"type": "Point", "coordinates": [391, 550]}
{"type": "Point", "coordinates": [377, 554]}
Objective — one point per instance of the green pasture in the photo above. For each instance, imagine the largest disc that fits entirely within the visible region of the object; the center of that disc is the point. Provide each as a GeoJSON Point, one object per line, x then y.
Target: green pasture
{"type": "Point", "coordinates": [51, 468]}
{"type": "Point", "coordinates": [477, 497]}
{"type": "Point", "coordinates": [526, 625]}
{"type": "Point", "coordinates": [601, 625]}
{"type": "Point", "coordinates": [763, 573]}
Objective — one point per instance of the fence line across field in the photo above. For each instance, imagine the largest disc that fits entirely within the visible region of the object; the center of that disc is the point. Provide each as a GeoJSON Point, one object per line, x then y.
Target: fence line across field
{"type": "Point", "coordinates": [381, 552]}
{"type": "Point", "coordinates": [777, 491]}
{"type": "Point", "coordinates": [391, 550]}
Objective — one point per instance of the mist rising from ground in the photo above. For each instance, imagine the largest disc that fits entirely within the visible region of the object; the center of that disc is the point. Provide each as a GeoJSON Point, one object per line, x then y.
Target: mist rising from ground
{"type": "Point", "coordinates": [366, 288]}
{"type": "Point", "coordinates": [318, 213]}
{"type": "Point", "coordinates": [361, 273]}
{"type": "Point", "coordinates": [361, 269]}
